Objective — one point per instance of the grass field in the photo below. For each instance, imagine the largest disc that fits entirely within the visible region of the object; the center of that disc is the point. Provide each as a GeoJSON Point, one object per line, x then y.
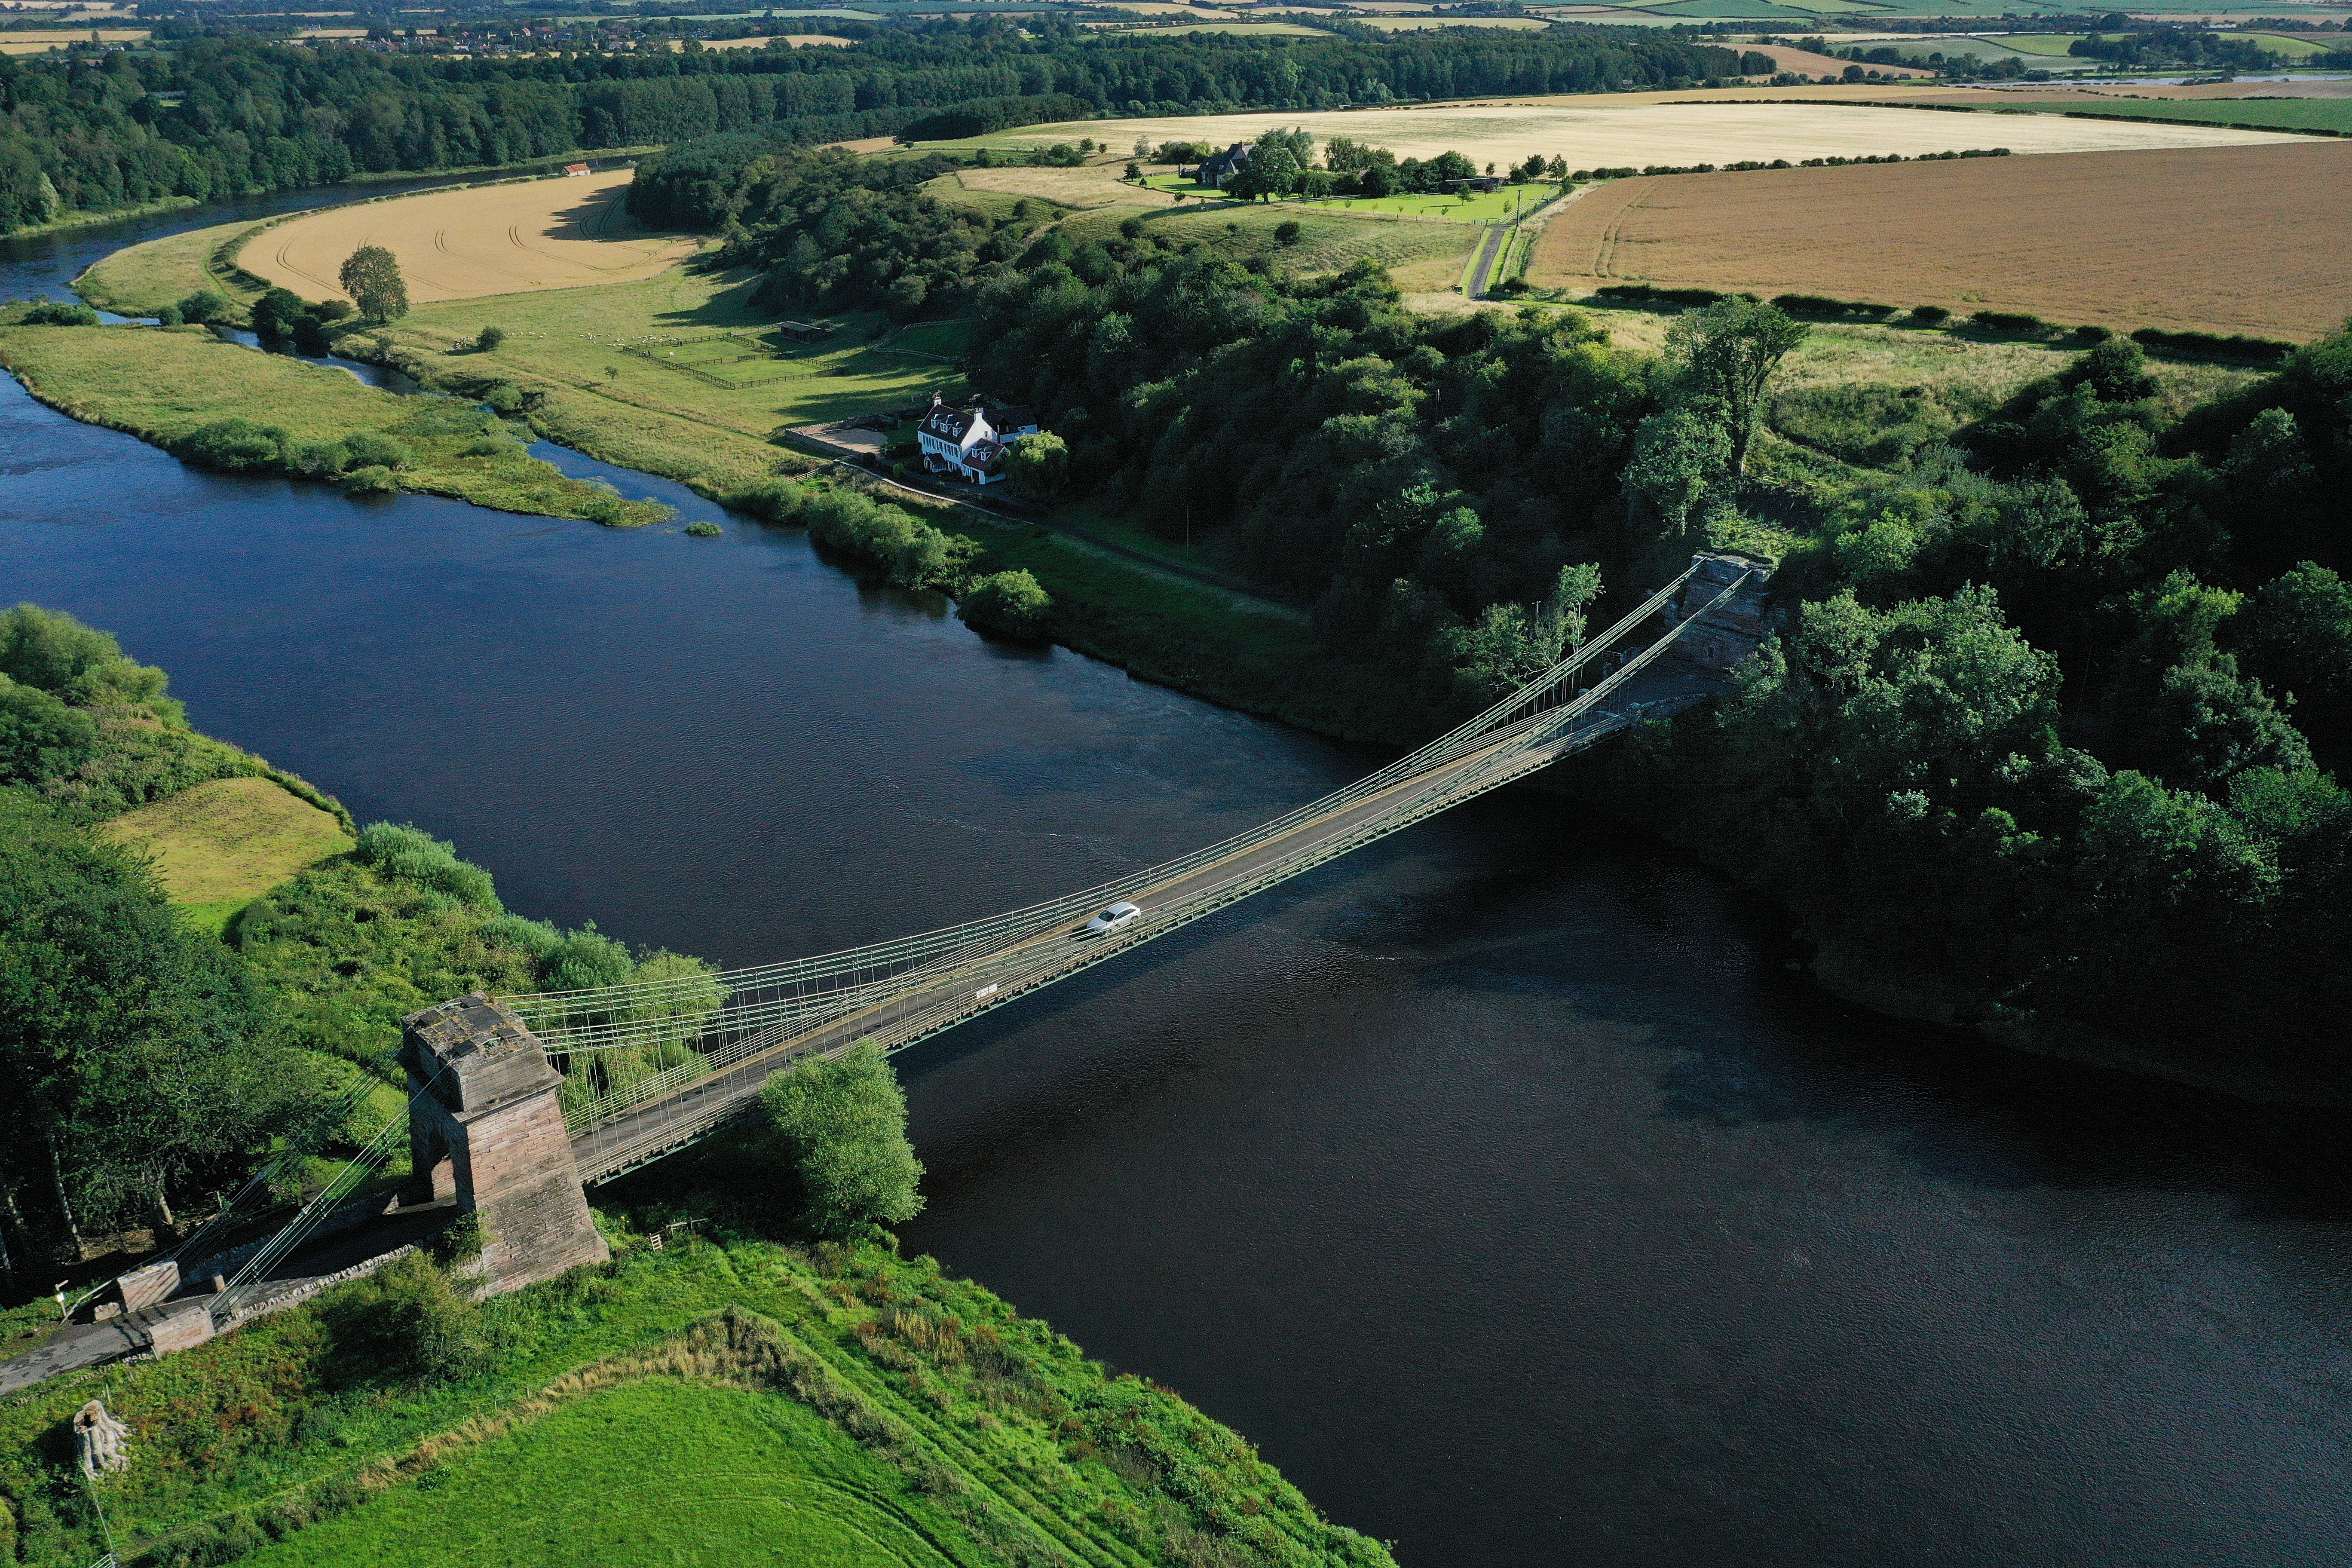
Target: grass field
{"type": "Point", "coordinates": [1330, 235]}
{"type": "Point", "coordinates": [1596, 134]}
{"type": "Point", "coordinates": [743, 1403]}
{"type": "Point", "coordinates": [606, 1482]}
{"type": "Point", "coordinates": [652, 414]}
{"type": "Point", "coordinates": [1483, 207]}
{"type": "Point", "coordinates": [2286, 113]}
{"type": "Point", "coordinates": [159, 385]}
{"type": "Point", "coordinates": [2033, 235]}
{"type": "Point", "coordinates": [219, 846]}
{"type": "Point", "coordinates": [1424, 24]}
{"type": "Point", "coordinates": [141, 279]}
{"type": "Point", "coordinates": [461, 243]}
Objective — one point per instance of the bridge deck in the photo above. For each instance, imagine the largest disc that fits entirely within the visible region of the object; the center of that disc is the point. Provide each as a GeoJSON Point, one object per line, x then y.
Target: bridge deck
{"type": "Point", "coordinates": [938, 998]}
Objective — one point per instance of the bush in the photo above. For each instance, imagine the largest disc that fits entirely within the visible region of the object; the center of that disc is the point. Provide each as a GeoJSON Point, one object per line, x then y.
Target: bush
{"type": "Point", "coordinates": [370, 481]}
{"type": "Point", "coordinates": [1287, 232]}
{"type": "Point", "coordinates": [396, 850]}
{"type": "Point", "coordinates": [2093, 335]}
{"type": "Point", "coordinates": [490, 338]}
{"type": "Point", "coordinates": [1930, 315]}
{"type": "Point", "coordinates": [169, 316]}
{"type": "Point", "coordinates": [703, 529]}
{"type": "Point", "coordinates": [234, 446]}
{"type": "Point", "coordinates": [372, 448]}
{"type": "Point", "coordinates": [842, 1124]}
{"type": "Point", "coordinates": [1823, 305]}
{"type": "Point", "coordinates": [406, 1319]}
{"type": "Point", "coordinates": [203, 308]}
{"type": "Point", "coordinates": [1010, 602]}
{"type": "Point", "coordinates": [58, 313]}
{"type": "Point", "coordinates": [317, 459]}
{"type": "Point", "coordinates": [2007, 321]}
{"type": "Point", "coordinates": [2260, 351]}
{"type": "Point", "coordinates": [503, 397]}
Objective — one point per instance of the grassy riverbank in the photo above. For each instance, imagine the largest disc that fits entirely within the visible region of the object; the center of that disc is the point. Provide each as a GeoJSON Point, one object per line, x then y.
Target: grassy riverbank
{"type": "Point", "coordinates": [168, 387]}
{"type": "Point", "coordinates": [839, 1403]}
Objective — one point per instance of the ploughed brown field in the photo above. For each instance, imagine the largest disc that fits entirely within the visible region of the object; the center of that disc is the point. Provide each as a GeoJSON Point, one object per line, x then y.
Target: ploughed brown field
{"type": "Point", "coordinates": [2226, 239]}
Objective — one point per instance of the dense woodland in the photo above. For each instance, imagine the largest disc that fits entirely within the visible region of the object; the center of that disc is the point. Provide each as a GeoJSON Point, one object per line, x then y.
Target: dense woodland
{"type": "Point", "coordinates": [2047, 736]}
{"type": "Point", "coordinates": [216, 117]}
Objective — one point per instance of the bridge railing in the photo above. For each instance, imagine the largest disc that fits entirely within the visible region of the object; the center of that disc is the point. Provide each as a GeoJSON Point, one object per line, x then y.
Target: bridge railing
{"type": "Point", "coordinates": [749, 1041]}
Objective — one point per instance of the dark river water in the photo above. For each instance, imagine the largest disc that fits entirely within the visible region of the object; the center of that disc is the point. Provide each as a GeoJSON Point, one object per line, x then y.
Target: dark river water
{"type": "Point", "coordinates": [1502, 1181]}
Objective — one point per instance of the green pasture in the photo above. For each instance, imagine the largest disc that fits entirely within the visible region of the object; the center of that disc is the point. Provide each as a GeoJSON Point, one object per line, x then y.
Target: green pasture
{"type": "Point", "coordinates": [662, 1471]}
{"type": "Point", "coordinates": [1479, 207]}
{"type": "Point", "coordinates": [1331, 236]}
{"type": "Point", "coordinates": [2278, 113]}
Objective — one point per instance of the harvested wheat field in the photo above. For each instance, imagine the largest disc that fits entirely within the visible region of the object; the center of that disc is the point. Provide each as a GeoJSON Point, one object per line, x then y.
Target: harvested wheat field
{"type": "Point", "coordinates": [1595, 133]}
{"type": "Point", "coordinates": [2229, 239]}
{"type": "Point", "coordinates": [489, 240]}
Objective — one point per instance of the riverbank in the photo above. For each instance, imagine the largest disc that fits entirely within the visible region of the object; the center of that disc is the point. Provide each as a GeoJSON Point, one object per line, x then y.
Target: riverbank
{"type": "Point", "coordinates": [207, 400]}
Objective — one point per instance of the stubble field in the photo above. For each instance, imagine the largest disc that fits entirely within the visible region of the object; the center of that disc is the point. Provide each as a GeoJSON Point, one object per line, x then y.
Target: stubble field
{"type": "Point", "coordinates": [463, 244]}
{"type": "Point", "coordinates": [1597, 134]}
{"type": "Point", "coordinates": [2229, 239]}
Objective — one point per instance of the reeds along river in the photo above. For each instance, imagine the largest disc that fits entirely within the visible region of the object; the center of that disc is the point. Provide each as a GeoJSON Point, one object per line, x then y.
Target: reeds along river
{"type": "Point", "coordinates": [1502, 1181]}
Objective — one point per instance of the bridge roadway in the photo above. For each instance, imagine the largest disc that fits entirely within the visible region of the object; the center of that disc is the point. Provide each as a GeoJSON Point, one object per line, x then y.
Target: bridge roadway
{"type": "Point", "coordinates": [964, 985]}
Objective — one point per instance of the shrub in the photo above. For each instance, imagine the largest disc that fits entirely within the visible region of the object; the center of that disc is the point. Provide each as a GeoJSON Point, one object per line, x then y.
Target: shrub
{"type": "Point", "coordinates": [2262, 351]}
{"type": "Point", "coordinates": [1823, 305]}
{"type": "Point", "coordinates": [2008, 321]}
{"type": "Point", "coordinates": [1010, 602]}
{"type": "Point", "coordinates": [332, 310]}
{"type": "Point", "coordinates": [1930, 315]}
{"type": "Point", "coordinates": [370, 481]}
{"type": "Point", "coordinates": [372, 448]}
{"type": "Point", "coordinates": [1287, 232]}
{"type": "Point", "coordinates": [234, 446]}
{"type": "Point", "coordinates": [504, 397]}
{"type": "Point", "coordinates": [703, 529]}
{"type": "Point", "coordinates": [58, 313]}
{"type": "Point", "coordinates": [397, 849]}
{"type": "Point", "coordinates": [842, 1124]}
{"type": "Point", "coordinates": [204, 307]}
{"type": "Point", "coordinates": [317, 459]}
{"type": "Point", "coordinates": [406, 1319]}
{"type": "Point", "coordinates": [2093, 335]}
{"type": "Point", "coordinates": [169, 316]}
{"type": "Point", "coordinates": [490, 338]}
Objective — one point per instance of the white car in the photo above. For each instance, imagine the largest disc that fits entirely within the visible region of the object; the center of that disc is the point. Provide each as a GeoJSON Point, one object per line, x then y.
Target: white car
{"type": "Point", "coordinates": [1110, 919]}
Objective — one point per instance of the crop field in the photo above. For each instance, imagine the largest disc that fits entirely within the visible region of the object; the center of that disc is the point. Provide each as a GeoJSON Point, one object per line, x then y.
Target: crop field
{"type": "Point", "coordinates": [2287, 113]}
{"type": "Point", "coordinates": [2035, 234]}
{"type": "Point", "coordinates": [1091, 185]}
{"type": "Point", "coordinates": [222, 845]}
{"type": "Point", "coordinates": [40, 42]}
{"type": "Point", "coordinates": [462, 244]}
{"type": "Point", "coordinates": [1594, 133]}
{"type": "Point", "coordinates": [1424, 24]}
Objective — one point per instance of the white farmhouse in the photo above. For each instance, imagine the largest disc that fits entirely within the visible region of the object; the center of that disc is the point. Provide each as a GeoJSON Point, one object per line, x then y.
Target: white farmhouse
{"type": "Point", "coordinates": [970, 443]}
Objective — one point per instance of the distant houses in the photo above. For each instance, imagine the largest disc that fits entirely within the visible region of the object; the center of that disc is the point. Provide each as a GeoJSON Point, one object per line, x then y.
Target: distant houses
{"type": "Point", "coordinates": [970, 443]}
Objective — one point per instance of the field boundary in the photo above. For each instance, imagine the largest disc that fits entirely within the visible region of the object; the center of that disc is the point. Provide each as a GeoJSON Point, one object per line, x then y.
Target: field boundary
{"type": "Point", "coordinates": [2219, 124]}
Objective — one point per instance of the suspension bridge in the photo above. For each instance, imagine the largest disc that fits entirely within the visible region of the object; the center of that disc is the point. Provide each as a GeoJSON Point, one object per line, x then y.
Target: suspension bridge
{"type": "Point", "coordinates": [517, 1102]}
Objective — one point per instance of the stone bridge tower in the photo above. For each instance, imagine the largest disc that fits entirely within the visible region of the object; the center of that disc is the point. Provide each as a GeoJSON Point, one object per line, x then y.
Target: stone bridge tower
{"type": "Point", "coordinates": [487, 1130]}
{"type": "Point", "coordinates": [1730, 633]}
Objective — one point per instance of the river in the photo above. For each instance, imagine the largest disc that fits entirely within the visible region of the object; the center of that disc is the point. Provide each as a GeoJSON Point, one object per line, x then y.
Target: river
{"type": "Point", "coordinates": [1504, 1182]}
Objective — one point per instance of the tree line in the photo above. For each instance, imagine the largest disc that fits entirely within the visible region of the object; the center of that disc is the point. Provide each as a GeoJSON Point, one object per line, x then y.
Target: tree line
{"type": "Point", "coordinates": [216, 116]}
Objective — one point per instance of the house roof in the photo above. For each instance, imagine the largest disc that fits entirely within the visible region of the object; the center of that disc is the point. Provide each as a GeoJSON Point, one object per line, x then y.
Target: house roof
{"type": "Point", "coordinates": [1011, 416]}
{"type": "Point", "coordinates": [983, 455]}
{"type": "Point", "coordinates": [949, 424]}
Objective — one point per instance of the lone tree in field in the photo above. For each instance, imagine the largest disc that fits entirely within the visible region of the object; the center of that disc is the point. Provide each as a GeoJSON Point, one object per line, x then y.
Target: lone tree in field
{"type": "Point", "coordinates": [842, 1124]}
{"type": "Point", "coordinates": [371, 278]}
{"type": "Point", "coordinates": [1728, 351]}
